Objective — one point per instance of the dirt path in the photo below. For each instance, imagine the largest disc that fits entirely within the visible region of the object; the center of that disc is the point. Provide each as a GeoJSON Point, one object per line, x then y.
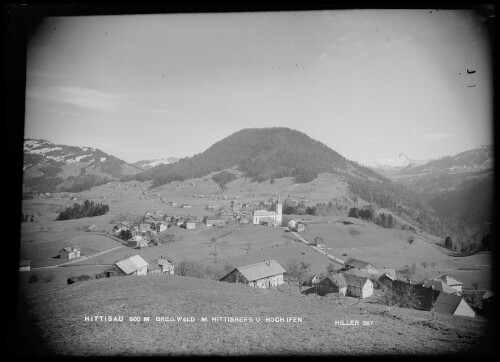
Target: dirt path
{"type": "Point", "coordinates": [82, 258]}
{"type": "Point", "coordinates": [329, 256]}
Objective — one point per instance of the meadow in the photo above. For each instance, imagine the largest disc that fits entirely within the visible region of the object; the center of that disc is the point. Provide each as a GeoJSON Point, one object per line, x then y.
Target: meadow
{"type": "Point", "coordinates": [60, 322]}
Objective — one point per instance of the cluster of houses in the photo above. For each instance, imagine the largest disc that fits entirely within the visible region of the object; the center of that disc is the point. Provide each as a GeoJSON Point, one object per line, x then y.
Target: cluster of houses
{"type": "Point", "coordinates": [136, 265]}
{"type": "Point", "coordinates": [442, 293]}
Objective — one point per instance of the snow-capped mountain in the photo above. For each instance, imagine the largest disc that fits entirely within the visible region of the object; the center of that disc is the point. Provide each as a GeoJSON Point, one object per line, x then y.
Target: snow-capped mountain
{"type": "Point", "coordinates": [49, 167]}
{"type": "Point", "coordinates": [147, 164]}
{"type": "Point", "coordinates": [387, 166]}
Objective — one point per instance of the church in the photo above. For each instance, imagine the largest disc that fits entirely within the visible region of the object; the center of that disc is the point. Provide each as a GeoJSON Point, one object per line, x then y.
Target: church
{"type": "Point", "coordinates": [269, 217]}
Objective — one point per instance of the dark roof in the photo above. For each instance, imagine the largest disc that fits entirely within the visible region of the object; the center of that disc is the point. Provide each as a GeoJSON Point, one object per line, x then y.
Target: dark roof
{"type": "Point", "coordinates": [354, 280]}
{"type": "Point", "coordinates": [355, 263]}
{"type": "Point", "coordinates": [337, 279]}
{"type": "Point", "coordinates": [447, 303]}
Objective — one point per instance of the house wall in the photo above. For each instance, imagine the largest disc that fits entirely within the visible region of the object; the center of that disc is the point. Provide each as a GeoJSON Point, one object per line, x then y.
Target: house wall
{"type": "Point", "coordinates": [141, 271]}
{"type": "Point", "coordinates": [457, 287]}
{"type": "Point", "coordinates": [234, 277]}
{"type": "Point", "coordinates": [463, 309]}
{"type": "Point", "coordinates": [271, 281]}
{"type": "Point", "coordinates": [367, 289]}
{"type": "Point", "coordinates": [154, 272]}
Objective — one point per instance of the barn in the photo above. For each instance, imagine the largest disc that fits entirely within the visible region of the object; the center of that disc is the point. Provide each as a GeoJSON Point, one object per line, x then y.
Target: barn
{"type": "Point", "coordinates": [453, 304]}
{"type": "Point", "coordinates": [263, 275]}
{"type": "Point", "coordinates": [135, 265]}
{"type": "Point", "coordinates": [335, 283]}
{"type": "Point", "coordinates": [214, 221]}
{"type": "Point", "coordinates": [69, 252]}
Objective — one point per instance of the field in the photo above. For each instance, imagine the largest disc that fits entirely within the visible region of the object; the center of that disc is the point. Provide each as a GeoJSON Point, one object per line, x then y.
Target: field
{"type": "Point", "coordinates": [57, 310]}
{"type": "Point", "coordinates": [61, 324]}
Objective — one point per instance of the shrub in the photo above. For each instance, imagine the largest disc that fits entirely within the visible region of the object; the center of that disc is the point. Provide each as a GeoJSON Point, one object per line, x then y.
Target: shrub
{"type": "Point", "coordinates": [48, 278]}
{"type": "Point", "coordinates": [34, 278]}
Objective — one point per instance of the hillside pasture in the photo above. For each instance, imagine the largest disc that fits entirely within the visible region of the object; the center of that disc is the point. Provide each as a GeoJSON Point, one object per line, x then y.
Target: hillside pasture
{"type": "Point", "coordinates": [61, 327]}
{"type": "Point", "coordinates": [390, 248]}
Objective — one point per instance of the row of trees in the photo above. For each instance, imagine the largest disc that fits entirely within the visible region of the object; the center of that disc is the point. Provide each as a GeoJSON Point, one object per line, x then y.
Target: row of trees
{"type": "Point", "coordinates": [365, 214]}
{"type": "Point", "coordinates": [87, 209]}
{"type": "Point", "coordinates": [223, 178]}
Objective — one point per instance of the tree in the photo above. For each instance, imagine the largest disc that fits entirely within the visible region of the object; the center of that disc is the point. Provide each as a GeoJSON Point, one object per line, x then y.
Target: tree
{"type": "Point", "coordinates": [303, 271]}
{"type": "Point", "coordinates": [424, 265]}
{"type": "Point", "coordinates": [433, 264]}
{"type": "Point", "coordinates": [353, 212]}
{"type": "Point", "coordinates": [403, 297]}
{"type": "Point", "coordinates": [292, 268]}
{"type": "Point", "coordinates": [448, 243]}
{"type": "Point", "coordinates": [184, 267]}
{"type": "Point", "coordinates": [330, 269]}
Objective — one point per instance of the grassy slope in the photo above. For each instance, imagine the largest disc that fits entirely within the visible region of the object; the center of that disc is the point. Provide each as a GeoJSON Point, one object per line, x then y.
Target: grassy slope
{"type": "Point", "coordinates": [60, 316]}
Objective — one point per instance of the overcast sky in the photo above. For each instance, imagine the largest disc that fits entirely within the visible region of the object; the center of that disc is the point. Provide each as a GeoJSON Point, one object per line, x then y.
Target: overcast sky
{"type": "Point", "coordinates": [370, 84]}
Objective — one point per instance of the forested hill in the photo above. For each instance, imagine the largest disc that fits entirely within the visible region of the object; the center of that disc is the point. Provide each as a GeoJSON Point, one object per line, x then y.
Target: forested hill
{"type": "Point", "coordinates": [261, 154]}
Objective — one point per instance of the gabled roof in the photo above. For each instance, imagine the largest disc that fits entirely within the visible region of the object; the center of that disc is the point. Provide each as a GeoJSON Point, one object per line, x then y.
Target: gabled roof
{"type": "Point", "coordinates": [70, 249]}
{"type": "Point", "coordinates": [446, 303]}
{"type": "Point", "coordinates": [261, 270]}
{"type": "Point", "coordinates": [164, 262]}
{"type": "Point", "coordinates": [441, 286]}
{"type": "Point", "coordinates": [264, 213]}
{"type": "Point", "coordinates": [449, 280]}
{"type": "Point", "coordinates": [389, 272]}
{"type": "Point", "coordinates": [355, 280]}
{"type": "Point", "coordinates": [136, 238]}
{"type": "Point", "coordinates": [355, 263]}
{"type": "Point", "coordinates": [131, 264]}
{"type": "Point", "coordinates": [387, 275]}
{"type": "Point", "coordinates": [359, 273]}
{"type": "Point", "coordinates": [338, 279]}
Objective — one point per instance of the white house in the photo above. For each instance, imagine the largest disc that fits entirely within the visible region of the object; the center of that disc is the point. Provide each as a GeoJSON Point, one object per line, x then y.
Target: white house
{"type": "Point", "coordinates": [69, 252]}
{"type": "Point", "coordinates": [455, 284]}
{"type": "Point", "coordinates": [357, 286]}
{"type": "Point", "coordinates": [25, 265]}
{"type": "Point", "coordinates": [166, 266]}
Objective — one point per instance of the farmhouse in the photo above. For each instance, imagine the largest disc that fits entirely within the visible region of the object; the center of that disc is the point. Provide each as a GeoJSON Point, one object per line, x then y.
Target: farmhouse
{"type": "Point", "coordinates": [357, 286]}
{"type": "Point", "coordinates": [69, 252]}
{"type": "Point", "coordinates": [25, 265]}
{"type": "Point", "coordinates": [137, 241]}
{"type": "Point", "coordinates": [166, 266]}
{"type": "Point", "coordinates": [214, 221]}
{"type": "Point", "coordinates": [263, 275]}
{"type": "Point", "coordinates": [135, 265]}
{"type": "Point", "coordinates": [455, 284]}
{"type": "Point", "coordinates": [188, 224]}
{"type": "Point", "coordinates": [440, 286]}
{"type": "Point", "coordinates": [361, 265]}
{"type": "Point", "coordinates": [153, 268]}
{"type": "Point", "coordinates": [336, 283]}
{"type": "Point", "coordinates": [453, 304]}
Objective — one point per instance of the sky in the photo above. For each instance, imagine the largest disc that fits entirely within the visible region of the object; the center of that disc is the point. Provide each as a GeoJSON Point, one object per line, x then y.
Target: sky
{"type": "Point", "coordinates": [369, 84]}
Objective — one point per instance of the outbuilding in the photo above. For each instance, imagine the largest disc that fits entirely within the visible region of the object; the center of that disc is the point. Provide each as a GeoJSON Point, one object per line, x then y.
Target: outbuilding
{"type": "Point", "coordinates": [335, 283]}
{"type": "Point", "coordinates": [357, 286]}
{"type": "Point", "coordinates": [453, 304]}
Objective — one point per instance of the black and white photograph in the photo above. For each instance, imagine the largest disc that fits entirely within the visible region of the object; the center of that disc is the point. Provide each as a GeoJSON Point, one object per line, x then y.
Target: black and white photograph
{"type": "Point", "coordinates": [307, 182]}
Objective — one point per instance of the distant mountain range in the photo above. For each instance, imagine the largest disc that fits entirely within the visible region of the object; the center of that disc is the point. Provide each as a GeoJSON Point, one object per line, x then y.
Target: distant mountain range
{"type": "Point", "coordinates": [147, 164]}
{"type": "Point", "coordinates": [50, 167]}
{"type": "Point", "coordinates": [459, 186]}
{"type": "Point", "coordinates": [390, 166]}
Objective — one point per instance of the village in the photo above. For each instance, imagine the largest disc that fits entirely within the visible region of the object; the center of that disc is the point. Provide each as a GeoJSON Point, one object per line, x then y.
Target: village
{"type": "Point", "coordinates": [351, 278]}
